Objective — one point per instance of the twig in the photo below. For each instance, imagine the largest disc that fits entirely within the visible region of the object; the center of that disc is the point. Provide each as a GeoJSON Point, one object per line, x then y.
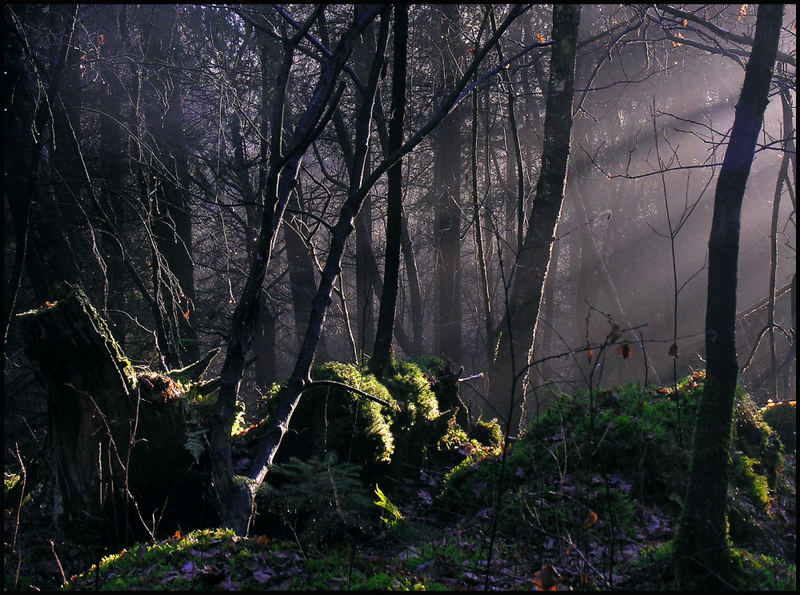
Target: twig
{"type": "Point", "coordinates": [60, 568]}
{"type": "Point", "coordinates": [350, 388]}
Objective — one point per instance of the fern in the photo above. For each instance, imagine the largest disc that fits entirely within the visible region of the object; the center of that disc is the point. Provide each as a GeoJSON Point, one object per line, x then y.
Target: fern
{"type": "Point", "coordinates": [320, 498]}
{"type": "Point", "coordinates": [395, 516]}
{"type": "Point", "coordinates": [195, 442]}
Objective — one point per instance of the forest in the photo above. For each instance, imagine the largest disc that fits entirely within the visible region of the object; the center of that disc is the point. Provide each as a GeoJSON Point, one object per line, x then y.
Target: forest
{"type": "Point", "coordinates": [399, 296]}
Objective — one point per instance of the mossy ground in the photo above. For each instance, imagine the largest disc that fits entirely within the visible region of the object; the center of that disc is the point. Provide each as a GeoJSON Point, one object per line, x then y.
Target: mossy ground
{"type": "Point", "coordinates": [591, 496]}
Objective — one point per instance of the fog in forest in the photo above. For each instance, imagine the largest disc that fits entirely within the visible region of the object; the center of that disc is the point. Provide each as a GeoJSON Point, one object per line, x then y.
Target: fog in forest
{"type": "Point", "coordinates": [525, 273]}
{"type": "Point", "coordinates": [163, 135]}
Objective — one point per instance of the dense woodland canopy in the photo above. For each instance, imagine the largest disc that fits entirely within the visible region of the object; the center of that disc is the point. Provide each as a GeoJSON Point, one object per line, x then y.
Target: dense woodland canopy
{"type": "Point", "coordinates": [297, 184]}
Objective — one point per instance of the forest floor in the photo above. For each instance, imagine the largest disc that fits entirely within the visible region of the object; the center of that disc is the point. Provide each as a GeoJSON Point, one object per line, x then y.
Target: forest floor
{"type": "Point", "coordinates": [442, 555]}
{"type": "Point", "coordinates": [429, 543]}
{"type": "Point", "coordinates": [452, 556]}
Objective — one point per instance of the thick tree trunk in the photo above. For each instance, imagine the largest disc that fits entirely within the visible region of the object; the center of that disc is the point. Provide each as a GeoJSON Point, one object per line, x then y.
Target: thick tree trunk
{"type": "Point", "coordinates": [701, 544]}
{"type": "Point", "coordinates": [115, 437]}
{"type": "Point", "coordinates": [517, 328]}
{"type": "Point", "coordinates": [301, 265]}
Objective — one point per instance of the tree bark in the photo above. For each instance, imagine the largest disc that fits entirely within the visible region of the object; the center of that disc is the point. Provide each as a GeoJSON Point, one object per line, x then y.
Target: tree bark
{"type": "Point", "coordinates": [381, 356]}
{"type": "Point", "coordinates": [115, 437]}
{"type": "Point", "coordinates": [449, 142]}
{"type": "Point", "coordinates": [235, 496]}
{"type": "Point", "coordinates": [701, 545]}
{"type": "Point", "coordinates": [517, 328]}
{"type": "Point", "coordinates": [366, 267]}
{"type": "Point", "coordinates": [173, 267]}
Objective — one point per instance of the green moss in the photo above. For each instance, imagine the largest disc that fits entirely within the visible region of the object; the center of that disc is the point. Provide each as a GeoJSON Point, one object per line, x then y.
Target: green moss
{"type": "Point", "coordinates": [598, 452]}
{"type": "Point", "coordinates": [782, 418]}
{"type": "Point", "coordinates": [409, 385]}
{"type": "Point", "coordinates": [330, 418]}
{"type": "Point", "coordinates": [758, 572]}
{"type": "Point", "coordinates": [334, 419]}
{"type": "Point", "coordinates": [487, 433]}
{"type": "Point", "coordinates": [217, 559]}
{"type": "Point", "coordinates": [429, 364]}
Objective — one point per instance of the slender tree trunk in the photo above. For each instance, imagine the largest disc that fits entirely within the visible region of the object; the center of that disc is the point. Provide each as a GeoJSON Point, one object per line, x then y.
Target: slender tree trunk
{"type": "Point", "coordinates": [701, 545]}
{"type": "Point", "coordinates": [235, 496]}
{"type": "Point", "coordinates": [447, 226]}
{"type": "Point", "coordinates": [516, 205]}
{"type": "Point", "coordinates": [111, 164]}
{"type": "Point", "coordinates": [366, 266]}
{"type": "Point", "coordinates": [517, 328]}
{"type": "Point", "coordinates": [477, 229]}
{"type": "Point", "coordinates": [381, 357]}
{"type": "Point", "coordinates": [43, 249]}
{"type": "Point", "coordinates": [415, 294]}
{"type": "Point", "coordinates": [173, 267]}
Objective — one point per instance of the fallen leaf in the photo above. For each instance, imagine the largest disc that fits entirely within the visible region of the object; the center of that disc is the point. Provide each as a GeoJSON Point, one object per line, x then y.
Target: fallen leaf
{"type": "Point", "coordinates": [546, 579]}
{"type": "Point", "coordinates": [262, 576]}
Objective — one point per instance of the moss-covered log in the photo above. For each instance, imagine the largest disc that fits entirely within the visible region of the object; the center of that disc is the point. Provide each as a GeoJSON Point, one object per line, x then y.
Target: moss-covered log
{"type": "Point", "coordinates": [116, 436]}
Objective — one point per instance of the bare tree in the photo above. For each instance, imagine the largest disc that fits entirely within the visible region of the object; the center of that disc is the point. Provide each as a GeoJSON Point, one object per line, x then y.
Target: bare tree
{"type": "Point", "coordinates": [517, 327]}
{"type": "Point", "coordinates": [701, 549]}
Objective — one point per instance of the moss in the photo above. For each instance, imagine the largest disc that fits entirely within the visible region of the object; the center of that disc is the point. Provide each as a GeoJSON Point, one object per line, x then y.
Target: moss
{"type": "Point", "coordinates": [330, 418]}
{"type": "Point", "coordinates": [218, 559]}
{"type": "Point", "coordinates": [430, 365]}
{"type": "Point", "coordinates": [756, 439]}
{"type": "Point", "coordinates": [10, 480]}
{"type": "Point", "coordinates": [758, 572]}
{"type": "Point", "coordinates": [409, 385]}
{"type": "Point", "coordinates": [603, 450]}
{"type": "Point", "coordinates": [487, 433]}
{"type": "Point", "coordinates": [782, 418]}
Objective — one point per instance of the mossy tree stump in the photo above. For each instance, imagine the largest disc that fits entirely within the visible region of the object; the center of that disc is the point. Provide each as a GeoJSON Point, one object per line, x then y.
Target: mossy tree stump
{"type": "Point", "coordinates": [116, 437]}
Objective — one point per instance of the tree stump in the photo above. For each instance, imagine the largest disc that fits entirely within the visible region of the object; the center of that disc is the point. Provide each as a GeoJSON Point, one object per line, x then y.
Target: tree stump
{"type": "Point", "coordinates": [116, 447]}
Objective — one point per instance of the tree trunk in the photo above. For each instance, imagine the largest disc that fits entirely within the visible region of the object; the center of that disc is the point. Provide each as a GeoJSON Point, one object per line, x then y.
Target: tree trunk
{"type": "Point", "coordinates": [701, 543]}
{"type": "Point", "coordinates": [116, 437]}
{"type": "Point", "coordinates": [517, 327]}
{"type": "Point", "coordinates": [111, 166]}
{"type": "Point", "coordinates": [173, 268]}
{"type": "Point", "coordinates": [447, 231]}
{"type": "Point", "coordinates": [301, 265]}
{"type": "Point", "coordinates": [235, 496]}
{"type": "Point", "coordinates": [381, 357]}
{"type": "Point", "coordinates": [415, 295]}
{"type": "Point", "coordinates": [366, 267]}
